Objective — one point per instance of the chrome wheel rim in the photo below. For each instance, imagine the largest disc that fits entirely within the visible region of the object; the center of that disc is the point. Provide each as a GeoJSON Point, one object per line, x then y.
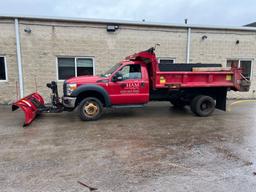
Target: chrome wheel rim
{"type": "Point", "coordinates": [91, 108]}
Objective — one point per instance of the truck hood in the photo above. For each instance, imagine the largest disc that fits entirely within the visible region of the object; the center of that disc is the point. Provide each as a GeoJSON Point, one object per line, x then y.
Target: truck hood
{"type": "Point", "coordinates": [84, 79]}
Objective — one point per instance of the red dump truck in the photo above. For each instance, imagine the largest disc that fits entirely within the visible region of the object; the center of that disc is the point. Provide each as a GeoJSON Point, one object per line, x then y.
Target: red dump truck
{"type": "Point", "coordinates": [135, 81]}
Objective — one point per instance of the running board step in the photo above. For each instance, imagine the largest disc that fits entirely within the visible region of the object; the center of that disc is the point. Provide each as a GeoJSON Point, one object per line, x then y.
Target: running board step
{"type": "Point", "coordinates": [126, 106]}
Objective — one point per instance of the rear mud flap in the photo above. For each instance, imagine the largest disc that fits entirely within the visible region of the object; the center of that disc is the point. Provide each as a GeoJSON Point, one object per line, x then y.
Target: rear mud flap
{"type": "Point", "coordinates": [221, 99]}
{"type": "Point", "coordinates": [31, 105]}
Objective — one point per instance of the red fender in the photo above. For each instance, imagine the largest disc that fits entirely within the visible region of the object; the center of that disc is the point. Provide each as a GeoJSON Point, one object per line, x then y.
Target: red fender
{"type": "Point", "coordinates": [30, 106]}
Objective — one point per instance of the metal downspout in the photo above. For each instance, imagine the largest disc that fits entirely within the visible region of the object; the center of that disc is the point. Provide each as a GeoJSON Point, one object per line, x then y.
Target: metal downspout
{"type": "Point", "coordinates": [188, 45]}
{"type": "Point", "coordinates": [18, 53]}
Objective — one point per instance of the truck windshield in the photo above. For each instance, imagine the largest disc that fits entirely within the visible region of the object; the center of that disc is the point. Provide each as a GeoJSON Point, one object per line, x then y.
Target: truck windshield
{"type": "Point", "coordinates": [111, 70]}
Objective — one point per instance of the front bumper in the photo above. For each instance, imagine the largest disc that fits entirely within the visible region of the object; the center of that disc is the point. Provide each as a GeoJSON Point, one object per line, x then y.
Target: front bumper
{"type": "Point", "coordinates": [69, 102]}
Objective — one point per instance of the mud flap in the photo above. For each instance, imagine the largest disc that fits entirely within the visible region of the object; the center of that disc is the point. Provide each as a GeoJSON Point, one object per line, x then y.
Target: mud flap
{"type": "Point", "coordinates": [221, 99]}
{"type": "Point", "coordinates": [31, 105]}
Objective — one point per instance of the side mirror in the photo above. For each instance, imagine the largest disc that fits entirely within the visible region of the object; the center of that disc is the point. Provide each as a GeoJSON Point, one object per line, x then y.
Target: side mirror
{"type": "Point", "coordinates": [117, 77]}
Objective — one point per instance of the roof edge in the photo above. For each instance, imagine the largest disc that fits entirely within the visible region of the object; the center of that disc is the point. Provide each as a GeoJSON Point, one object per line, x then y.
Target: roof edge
{"type": "Point", "coordinates": [127, 22]}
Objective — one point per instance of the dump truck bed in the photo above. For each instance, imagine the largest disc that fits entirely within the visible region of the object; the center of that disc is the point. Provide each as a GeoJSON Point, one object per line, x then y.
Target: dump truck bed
{"type": "Point", "coordinates": [176, 76]}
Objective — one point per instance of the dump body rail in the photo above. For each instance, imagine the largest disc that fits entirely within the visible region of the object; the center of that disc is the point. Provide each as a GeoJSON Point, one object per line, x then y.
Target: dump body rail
{"type": "Point", "coordinates": [194, 79]}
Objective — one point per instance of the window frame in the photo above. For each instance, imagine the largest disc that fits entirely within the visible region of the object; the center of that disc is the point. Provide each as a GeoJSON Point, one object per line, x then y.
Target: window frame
{"type": "Point", "coordinates": [75, 58]}
{"type": "Point", "coordinates": [239, 63]}
{"type": "Point", "coordinates": [6, 70]}
{"type": "Point", "coordinates": [166, 58]}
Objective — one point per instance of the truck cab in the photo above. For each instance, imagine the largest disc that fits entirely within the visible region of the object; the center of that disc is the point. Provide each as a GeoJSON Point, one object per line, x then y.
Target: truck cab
{"type": "Point", "coordinates": [125, 84]}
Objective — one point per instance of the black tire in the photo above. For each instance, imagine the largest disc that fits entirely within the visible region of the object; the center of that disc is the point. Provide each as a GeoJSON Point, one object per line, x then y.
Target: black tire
{"type": "Point", "coordinates": [203, 105]}
{"type": "Point", "coordinates": [193, 104]}
{"type": "Point", "coordinates": [90, 109]}
{"type": "Point", "coordinates": [177, 103]}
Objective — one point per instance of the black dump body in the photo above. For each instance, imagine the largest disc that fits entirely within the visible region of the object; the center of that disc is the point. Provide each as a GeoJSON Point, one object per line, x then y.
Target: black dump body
{"type": "Point", "coordinates": [184, 66]}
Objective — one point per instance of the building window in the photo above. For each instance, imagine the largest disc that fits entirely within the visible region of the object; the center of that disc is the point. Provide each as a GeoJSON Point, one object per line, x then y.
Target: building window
{"type": "Point", "coordinates": [246, 65]}
{"type": "Point", "coordinates": [74, 66]}
{"type": "Point", "coordinates": [3, 72]}
{"type": "Point", "coordinates": [166, 60]}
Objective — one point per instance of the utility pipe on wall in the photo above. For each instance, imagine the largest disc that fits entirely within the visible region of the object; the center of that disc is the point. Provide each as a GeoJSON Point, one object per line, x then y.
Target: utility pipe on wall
{"type": "Point", "coordinates": [18, 53]}
{"type": "Point", "coordinates": [188, 45]}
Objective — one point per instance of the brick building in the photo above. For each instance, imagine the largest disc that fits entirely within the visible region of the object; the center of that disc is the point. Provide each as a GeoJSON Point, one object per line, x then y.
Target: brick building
{"type": "Point", "coordinates": [34, 51]}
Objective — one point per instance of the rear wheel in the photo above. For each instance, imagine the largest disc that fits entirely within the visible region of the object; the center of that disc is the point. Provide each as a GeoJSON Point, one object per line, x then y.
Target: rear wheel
{"type": "Point", "coordinates": [90, 109]}
{"type": "Point", "coordinates": [203, 105]}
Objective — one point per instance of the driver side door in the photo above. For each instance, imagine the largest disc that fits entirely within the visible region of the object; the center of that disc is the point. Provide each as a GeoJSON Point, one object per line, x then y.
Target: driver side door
{"type": "Point", "coordinates": [131, 87]}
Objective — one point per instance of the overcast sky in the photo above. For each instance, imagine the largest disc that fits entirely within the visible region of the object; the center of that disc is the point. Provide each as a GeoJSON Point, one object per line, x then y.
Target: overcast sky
{"type": "Point", "coordinates": [210, 12]}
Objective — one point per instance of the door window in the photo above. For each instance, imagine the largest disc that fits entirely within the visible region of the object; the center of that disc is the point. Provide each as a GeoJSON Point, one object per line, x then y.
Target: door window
{"type": "Point", "coordinates": [131, 72]}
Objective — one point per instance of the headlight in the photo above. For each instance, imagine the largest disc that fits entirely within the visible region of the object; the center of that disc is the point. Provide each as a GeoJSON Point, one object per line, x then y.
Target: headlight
{"type": "Point", "coordinates": [70, 88]}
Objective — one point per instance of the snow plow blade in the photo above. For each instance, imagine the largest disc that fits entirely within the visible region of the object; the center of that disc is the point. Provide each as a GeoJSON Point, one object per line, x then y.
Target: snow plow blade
{"type": "Point", "coordinates": [31, 106]}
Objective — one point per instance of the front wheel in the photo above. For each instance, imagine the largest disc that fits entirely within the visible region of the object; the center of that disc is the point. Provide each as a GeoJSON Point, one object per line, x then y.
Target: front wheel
{"type": "Point", "coordinates": [90, 109]}
{"type": "Point", "coordinates": [203, 105]}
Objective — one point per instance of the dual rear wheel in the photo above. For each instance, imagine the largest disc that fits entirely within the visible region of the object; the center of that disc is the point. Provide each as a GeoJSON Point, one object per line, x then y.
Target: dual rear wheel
{"type": "Point", "coordinates": [201, 105]}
